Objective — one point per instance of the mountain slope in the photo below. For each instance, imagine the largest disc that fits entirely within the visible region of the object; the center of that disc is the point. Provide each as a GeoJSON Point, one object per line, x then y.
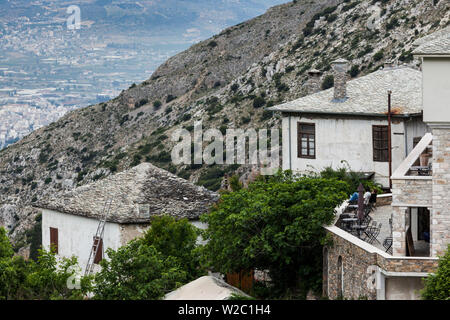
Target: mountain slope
{"type": "Point", "coordinates": [223, 81]}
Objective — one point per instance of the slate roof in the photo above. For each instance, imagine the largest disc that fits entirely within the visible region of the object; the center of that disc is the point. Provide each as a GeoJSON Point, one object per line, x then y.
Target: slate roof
{"type": "Point", "coordinates": [367, 95]}
{"type": "Point", "coordinates": [137, 194]}
{"type": "Point", "coordinates": [437, 43]}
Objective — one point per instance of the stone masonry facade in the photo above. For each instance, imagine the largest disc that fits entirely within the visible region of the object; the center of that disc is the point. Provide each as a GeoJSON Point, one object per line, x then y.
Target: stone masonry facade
{"type": "Point", "coordinates": [354, 277]}
{"type": "Point", "coordinates": [407, 193]}
{"type": "Point", "coordinates": [440, 215]}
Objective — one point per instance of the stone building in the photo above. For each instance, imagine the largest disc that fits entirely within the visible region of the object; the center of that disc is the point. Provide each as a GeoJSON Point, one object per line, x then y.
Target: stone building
{"type": "Point", "coordinates": [70, 221]}
{"type": "Point", "coordinates": [420, 207]}
{"type": "Point", "coordinates": [349, 122]}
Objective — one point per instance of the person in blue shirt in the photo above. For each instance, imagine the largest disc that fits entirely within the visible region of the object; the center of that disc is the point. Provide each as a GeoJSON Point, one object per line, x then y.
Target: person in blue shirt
{"type": "Point", "coordinates": [354, 197]}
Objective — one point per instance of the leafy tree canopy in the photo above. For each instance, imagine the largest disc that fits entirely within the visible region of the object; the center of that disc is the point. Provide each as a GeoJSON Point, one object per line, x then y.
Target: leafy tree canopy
{"type": "Point", "coordinates": [165, 258]}
{"type": "Point", "coordinates": [277, 225]}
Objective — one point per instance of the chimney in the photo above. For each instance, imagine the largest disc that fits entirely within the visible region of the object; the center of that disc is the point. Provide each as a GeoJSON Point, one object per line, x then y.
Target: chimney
{"type": "Point", "coordinates": [340, 68]}
{"type": "Point", "coordinates": [313, 83]}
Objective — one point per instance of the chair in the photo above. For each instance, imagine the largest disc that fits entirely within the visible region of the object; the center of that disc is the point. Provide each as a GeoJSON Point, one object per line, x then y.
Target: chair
{"type": "Point", "coordinates": [373, 234]}
{"type": "Point", "coordinates": [387, 244]}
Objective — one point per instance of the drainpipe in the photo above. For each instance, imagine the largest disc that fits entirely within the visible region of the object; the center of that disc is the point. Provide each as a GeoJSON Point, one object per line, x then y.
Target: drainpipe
{"type": "Point", "coordinates": [390, 138]}
{"type": "Point", "coordinates": [290, 145]}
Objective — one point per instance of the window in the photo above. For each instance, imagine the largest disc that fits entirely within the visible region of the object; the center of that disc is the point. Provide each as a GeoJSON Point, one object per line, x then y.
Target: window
{"type": "Point", "coordinates": [306, 140]}
{"type": "Point", "coordinates": [99, 255]}
{"type": "Point", "coordinates": [380, 143]}
{"type": "Point", "coordinates": [340, 277]}
{"type": "Point", "coordinates": [54, 239]}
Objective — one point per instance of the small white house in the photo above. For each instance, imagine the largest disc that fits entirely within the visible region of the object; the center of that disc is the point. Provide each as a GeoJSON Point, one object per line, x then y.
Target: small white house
{"type": "Point", "coordinates": [349, 122]}
{"type": "Point", "coordinates": [70, 220]}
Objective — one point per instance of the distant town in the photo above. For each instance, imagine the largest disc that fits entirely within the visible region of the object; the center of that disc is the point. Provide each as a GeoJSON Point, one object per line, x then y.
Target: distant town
{"type": "Point", "coordinates": [47, 70]}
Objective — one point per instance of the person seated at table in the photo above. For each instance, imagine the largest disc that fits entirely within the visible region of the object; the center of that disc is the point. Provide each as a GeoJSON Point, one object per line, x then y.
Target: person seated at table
{"type": "Point", "coordinates": [354, 197]}
{"type": "Point", "coordinates": [367, 196]}
{"type": "Point", "coordinates": [373, 198]}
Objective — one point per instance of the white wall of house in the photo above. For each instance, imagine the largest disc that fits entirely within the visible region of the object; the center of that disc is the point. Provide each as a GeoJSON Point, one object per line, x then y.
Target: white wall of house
{"type": "Point", "coordinates": [75, 234]}
{"type": "Point", "coordinates": [436, 89]}
{"type": "Point", "coordinates": [347, 139]}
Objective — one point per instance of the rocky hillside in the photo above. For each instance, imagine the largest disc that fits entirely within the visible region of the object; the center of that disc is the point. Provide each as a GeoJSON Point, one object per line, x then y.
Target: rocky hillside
{"type": "Point", "coordinates": [226, 81]}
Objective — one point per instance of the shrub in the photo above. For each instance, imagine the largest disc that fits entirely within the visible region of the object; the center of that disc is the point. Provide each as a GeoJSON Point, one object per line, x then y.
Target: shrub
{"type": "Point", "coordinates": [354, 71]}
{"type": "Point", "coordinates": [437, 286]}
{"type": "Point", "coordinates": [170, 98]}
{"type": "Point", "coordinates": [157, 104]}
{"type": "Point", "coordinates": [259, 102]}
{"type": "Point", "coordinates": [212, 44]}
{"type": "Point", "coordinates": [328, 82]}
{"type": "Point", "coordinates": [140, 103]}
{"type": "Point", "coordinates": [266, 115]}
{"type": "Point", "coordinates": [378, 56]}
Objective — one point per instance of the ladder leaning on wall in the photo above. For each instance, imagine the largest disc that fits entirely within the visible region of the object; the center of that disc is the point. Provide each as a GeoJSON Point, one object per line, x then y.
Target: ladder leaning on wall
{"type": "Point", "coordinates": [98, 237]}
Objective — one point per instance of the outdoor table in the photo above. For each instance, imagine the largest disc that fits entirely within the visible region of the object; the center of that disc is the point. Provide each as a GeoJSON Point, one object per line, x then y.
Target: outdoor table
{"type": "Point", "coordinates": [360, 228]}
{"type": "Point", "coordinates": [348, 221]}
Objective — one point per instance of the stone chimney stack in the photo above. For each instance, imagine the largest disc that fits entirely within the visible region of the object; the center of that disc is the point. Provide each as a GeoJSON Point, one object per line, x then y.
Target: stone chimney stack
{"type": "Point", "coordinates": [340, 68]}
{"type": "Point", "coordinates": [313, 83]}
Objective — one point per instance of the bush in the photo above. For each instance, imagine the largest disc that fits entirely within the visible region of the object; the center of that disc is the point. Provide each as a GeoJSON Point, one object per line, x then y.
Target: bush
{"type": "Point", "coordinates": [328, 82]}
{"type": "Point", "coordinates": [266, 115]}
{"type": "Point", "coordinates": [259, 102]}
{"type": "Point", "coordinates": [354, 71]}
{"type": "Point", "coordinates": [437, 286]}
{"type": "Point", "coordinates": [140, 103]}
{"type": "Point", "coordinates": [170, 98]}
{"type": "Point", "coordinates": [378, 56]}
{"type": "Point", "coordinates": [212, 44]}
{"type": "Point", "coordinates": [157, 104]}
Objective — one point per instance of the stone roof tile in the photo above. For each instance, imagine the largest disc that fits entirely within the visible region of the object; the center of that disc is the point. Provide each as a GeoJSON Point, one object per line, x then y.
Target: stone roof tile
{"type": "Point", "coordinates": [137, 194]}
{"type": "Point", "coordinates": [367, 95]}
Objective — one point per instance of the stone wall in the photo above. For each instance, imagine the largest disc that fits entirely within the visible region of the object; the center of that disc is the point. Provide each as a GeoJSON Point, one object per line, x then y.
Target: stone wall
{"type": "Point", "coordinates": [356, 273]}
{"type": "Point", "coordinates": [407, 193]}
{"type": "Point", "coordinates": [440, 214]}
{"type": "Point", "coordinates": [412, 192]}
{"type": "Point", "coordinates": [355, 263]}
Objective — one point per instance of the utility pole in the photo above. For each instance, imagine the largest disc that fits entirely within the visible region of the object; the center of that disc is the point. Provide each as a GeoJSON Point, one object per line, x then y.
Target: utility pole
{"type": "Point", "coordinates": [390, 138]}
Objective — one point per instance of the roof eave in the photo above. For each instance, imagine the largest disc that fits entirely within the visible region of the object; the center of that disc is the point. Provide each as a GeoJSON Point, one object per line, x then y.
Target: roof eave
{"type": "Point", "coordinates": [431, 55]}
{"type": "Point", "coordinates": [358, 114]}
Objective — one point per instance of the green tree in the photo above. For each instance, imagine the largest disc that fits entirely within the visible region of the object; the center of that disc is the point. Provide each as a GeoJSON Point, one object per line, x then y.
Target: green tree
{"type": "Point", "coordinates": [277, 225]}
{"type": "Point", "coordinates": [137, 272]}
{"type": "Point", "coordinates": [6, 250]}
{"type": "Point", "coordinates": [437, 286]}
{"type": "Point", "coordinates": [48, 278]}
{"type": "Point", "coordinates": [45, 279]}
{"type": "Point", "coordinates": [176, 239]}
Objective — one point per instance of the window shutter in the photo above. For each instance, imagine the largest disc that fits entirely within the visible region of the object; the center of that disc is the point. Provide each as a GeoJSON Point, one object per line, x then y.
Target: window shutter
{"type": "Point", "coordinates": [380, 143]}
{"type": "Point", "coordinates": [99, 255]}
{"type": "Point", "coordinates": [54, 239]}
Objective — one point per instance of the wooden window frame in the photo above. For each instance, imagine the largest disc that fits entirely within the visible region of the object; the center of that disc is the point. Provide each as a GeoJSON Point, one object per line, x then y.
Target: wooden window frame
{"type": "Point", "coordinates": [300, 133]}
{"type": "Point", "coordinates": [54, 239]}
{"type": "Point", "coordinates": [383, 148]}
